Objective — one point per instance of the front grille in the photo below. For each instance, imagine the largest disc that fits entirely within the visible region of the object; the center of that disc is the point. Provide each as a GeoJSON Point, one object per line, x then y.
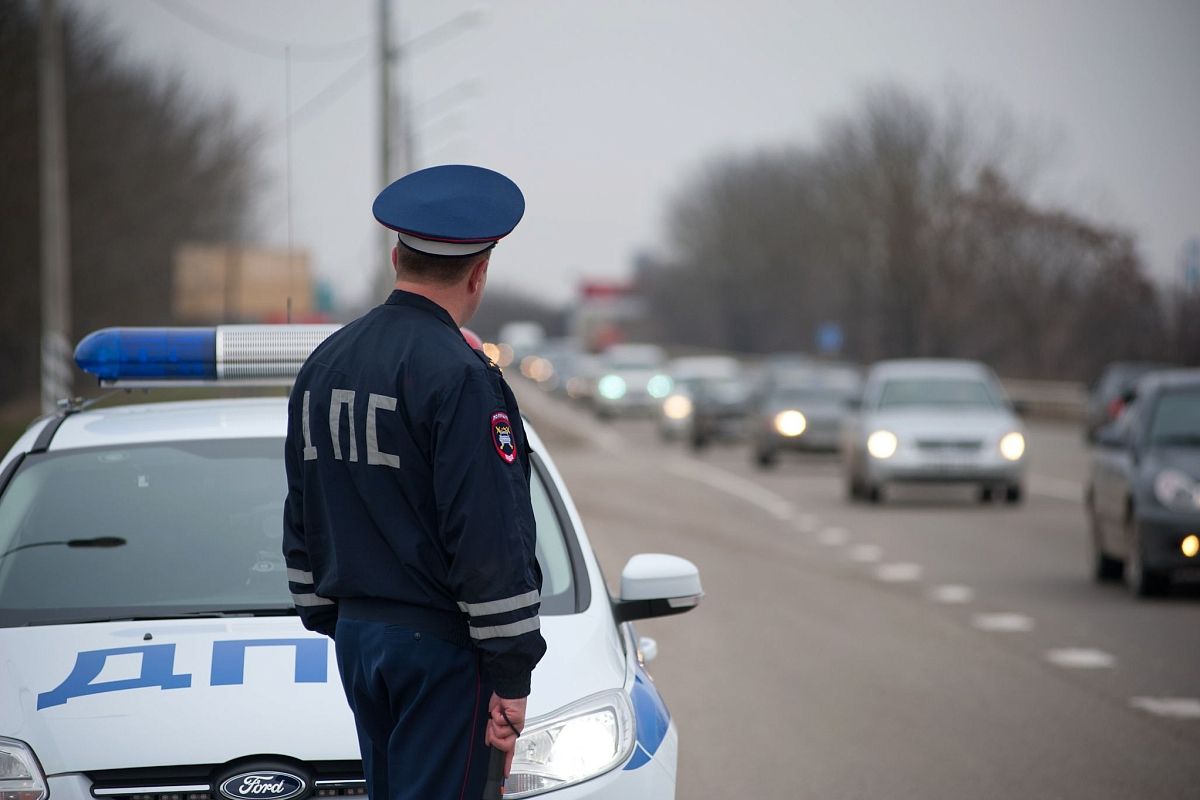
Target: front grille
{"type": "Point", "coordinates": [950, 445]}
{"type": "Point", "coordinates": [195, 781]}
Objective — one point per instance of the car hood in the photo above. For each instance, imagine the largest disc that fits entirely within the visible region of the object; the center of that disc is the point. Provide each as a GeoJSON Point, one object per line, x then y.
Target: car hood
{"type": "Point", "coordinates": [942, 423]}
{"type": "Point", "coordinates": [140, 694]}
{"type": "Point", "coordinates": [1184, 459]}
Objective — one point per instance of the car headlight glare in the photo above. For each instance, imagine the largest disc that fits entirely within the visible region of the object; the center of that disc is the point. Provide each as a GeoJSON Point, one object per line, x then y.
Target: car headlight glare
{"type": "Point", "coordinates": [790, 422]}
{"type": "Point", "coordinates": [1012, 446]}
{"type": "Point", "coordinates": [574, 744]}
{"type": "Point", "coordinates": [677, 406]}
{"type": "Point", "coordinates": [21, 777]}
{"type": "Point", "coordinates": [882, 444]}
{"type": "Point", "coordinates": [611, 387]}
{"type": "Point", "coordinates": [1175, 489]}
{"type": "Point", "coordinates": [658, 387]}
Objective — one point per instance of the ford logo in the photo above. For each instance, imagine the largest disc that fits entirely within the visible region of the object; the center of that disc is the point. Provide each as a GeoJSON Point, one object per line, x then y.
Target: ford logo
{"type": "Point", "coordinates": [263, 785]}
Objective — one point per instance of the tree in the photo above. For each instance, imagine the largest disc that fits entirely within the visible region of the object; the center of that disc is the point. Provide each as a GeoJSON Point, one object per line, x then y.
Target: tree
{"type": "Point", "coordinates": [150, 164]}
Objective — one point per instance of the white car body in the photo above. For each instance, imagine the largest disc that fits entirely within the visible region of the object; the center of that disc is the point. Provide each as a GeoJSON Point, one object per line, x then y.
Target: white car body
{"type": "Point", "coordinates": [935, 442]}
{"type": "Point", "coordinates": [159, 709]}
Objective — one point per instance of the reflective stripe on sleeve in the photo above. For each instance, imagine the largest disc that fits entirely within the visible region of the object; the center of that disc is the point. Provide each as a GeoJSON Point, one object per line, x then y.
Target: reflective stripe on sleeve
{"type": "Point", "coordinates": [310, 599]}
{"type": "Point", "coordinates": [299, 576]}
{"type": "Point", "coordinates": [506, 631]}
{"type": "Point", "coordinates": [502, 606]}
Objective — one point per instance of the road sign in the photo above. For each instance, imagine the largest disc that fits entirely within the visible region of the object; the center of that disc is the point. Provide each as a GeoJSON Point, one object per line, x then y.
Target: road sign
{"type": "Point", "coordinates": [829, 338]}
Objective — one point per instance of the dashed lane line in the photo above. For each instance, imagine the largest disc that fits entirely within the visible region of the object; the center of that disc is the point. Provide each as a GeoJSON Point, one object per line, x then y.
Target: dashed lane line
{"type": "Point", "coordinates": [900, 572]}
{"type": "Point", "coordinates": [729, 483]}
{"type": "Point", "coordinates": [833, 537]}
{"type": "Point", "coordinates": [807, 523]}
{"type": "Point", "coordinates": [1173, 707]}
{"type": "Point", "coordinates": [1080, 658]}
{"type": "Point", "coordinates": [866, 553]}
{"type": "Point", "coordinates": [952, 594]}
{"type": "Point", "coordinates": [1003, 622]}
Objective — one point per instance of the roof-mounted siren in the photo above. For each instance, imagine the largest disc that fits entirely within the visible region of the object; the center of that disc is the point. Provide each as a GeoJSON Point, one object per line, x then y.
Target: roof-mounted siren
{"type": "Point", "coordinates": [227, 355]}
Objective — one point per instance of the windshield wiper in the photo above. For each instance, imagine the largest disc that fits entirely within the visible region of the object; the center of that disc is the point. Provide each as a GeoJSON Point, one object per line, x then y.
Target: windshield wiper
{"type": "Point", "coordinates": [1184, 439]}
{"type": "Point", "coordinates": [97, 541]}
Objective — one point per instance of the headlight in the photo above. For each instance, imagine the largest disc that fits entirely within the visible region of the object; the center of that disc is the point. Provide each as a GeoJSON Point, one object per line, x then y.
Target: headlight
{"type": "Point", "coordinates": [677, 406]}
{"type": "Point", "coordinates": [1012, 446]}
{"type": "Point", "coordinates": [882, 444]}
{"type": "Point", "coordinates": [790, 423]}
{"type": "Point", "coordinates": [21, 777]}
{"type": "Point", "coordinates": [1175, 489]}
{"type": "Point", "coordinates": [611, 387]}
{"type": "Point", "coordinates": [578, 742]}
{"type": "Point", "coordinates": [658, 387]}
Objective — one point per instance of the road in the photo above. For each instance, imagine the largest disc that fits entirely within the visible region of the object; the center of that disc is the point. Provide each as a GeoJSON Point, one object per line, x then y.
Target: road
{"type": "Point", "coordinates": [928, 648]}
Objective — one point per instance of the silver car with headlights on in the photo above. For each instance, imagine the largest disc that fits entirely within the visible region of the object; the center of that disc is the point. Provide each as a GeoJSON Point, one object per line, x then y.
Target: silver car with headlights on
{"type": "Point", "coordinates": [803, 409]}
{"type": "Point", "coordinates": [934, 421]}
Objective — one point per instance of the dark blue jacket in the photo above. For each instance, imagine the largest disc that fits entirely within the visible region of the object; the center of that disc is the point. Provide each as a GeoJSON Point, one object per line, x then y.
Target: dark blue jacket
{"type": "Point", "coordinates": [408, 489]}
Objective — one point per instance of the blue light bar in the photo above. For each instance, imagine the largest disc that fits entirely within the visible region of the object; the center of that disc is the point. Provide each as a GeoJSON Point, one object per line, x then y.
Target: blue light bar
{"type": "Point", "coordinates": [114, 354]}
{"type": "Point", "coordinates": [243, 355]}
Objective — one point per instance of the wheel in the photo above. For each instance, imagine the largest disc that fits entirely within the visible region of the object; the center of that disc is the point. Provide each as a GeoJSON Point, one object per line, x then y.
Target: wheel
{"type": "Point", "coordinates": [1105, 568]}
{"type": "Point", "coordinates": [1013, 494]}
{"type": "Point", "coordinates": [765, 458]}
{"type": "Point", "coordinates": [699, 441]}
{"type": "Point", "coordinates": [985, 494]}
{"type": "Point", "coordinates": [873, 492]}
{"type": "Point", "coordinates": [1141, 580]}
{"type": "Point", "coordinates": [854, 491]}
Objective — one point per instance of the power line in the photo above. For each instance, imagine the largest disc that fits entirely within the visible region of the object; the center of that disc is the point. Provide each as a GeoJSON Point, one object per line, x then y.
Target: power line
{"type": "Point", "coordinates": [260, 45]}
{"type": "Point", "coordinates": [332, 91]}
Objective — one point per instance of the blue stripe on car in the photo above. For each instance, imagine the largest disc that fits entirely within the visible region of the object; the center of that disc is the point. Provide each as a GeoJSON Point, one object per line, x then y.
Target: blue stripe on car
{"type": "Point", "coordinates": [651, 717]}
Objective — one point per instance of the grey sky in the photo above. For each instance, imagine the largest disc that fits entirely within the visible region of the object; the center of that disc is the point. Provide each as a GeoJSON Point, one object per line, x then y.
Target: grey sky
{"type": "Point", "coordinates": [600, 110]}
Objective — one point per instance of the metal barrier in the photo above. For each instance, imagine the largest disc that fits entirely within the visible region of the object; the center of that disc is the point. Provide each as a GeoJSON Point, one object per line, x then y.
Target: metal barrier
{"type": "Point", "coordinates": [1065, 400]}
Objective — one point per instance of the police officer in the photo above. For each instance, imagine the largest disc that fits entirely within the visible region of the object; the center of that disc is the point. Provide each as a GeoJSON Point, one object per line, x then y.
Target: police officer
{"type": "Point", "coordinates": [408, 528]}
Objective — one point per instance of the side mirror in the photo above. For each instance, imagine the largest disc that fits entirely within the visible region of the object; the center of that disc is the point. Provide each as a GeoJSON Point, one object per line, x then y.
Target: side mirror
{"type": "Point", "coordinates": [657, 585]}
{"type": "Point", "coordinates": [1109, 437]}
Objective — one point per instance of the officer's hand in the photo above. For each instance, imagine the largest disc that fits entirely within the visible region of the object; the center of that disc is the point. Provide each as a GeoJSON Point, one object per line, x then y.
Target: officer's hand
{"type": "Point", "coordinates": [500, 733]}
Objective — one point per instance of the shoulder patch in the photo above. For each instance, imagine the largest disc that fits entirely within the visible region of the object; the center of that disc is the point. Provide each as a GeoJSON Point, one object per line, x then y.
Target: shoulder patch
{"type": "Point", "coordinates": [502, 437]}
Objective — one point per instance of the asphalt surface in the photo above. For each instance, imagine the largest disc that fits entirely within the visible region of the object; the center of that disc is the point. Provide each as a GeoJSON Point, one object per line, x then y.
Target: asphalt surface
{"type": "Point", "coordinates": [931, 647]}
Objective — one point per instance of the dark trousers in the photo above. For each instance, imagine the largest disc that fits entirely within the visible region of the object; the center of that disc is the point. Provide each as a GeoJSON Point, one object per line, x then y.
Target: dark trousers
{"type": "Point", "coordinates": [420, 704]}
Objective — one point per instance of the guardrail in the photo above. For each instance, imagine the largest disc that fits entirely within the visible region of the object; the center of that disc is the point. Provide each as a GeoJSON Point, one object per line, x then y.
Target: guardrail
{"type": "Point", "coordinates": [1065, 400]}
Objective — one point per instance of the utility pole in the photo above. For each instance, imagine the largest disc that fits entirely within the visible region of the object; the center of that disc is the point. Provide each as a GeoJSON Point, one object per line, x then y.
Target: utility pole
{"type": "Point", "coordinates": [56, 255]}
{"type": "Point", "coordinates": [386, 54]}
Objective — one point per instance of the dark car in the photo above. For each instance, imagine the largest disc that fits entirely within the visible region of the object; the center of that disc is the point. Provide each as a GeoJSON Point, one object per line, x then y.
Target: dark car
{"type": "Point", "coordinates": [1107, 396]}
{"type": "Point", "coordinates": [1143, 497]}
{"type": "Point", "coordinates": [803, 410]}
{"type": "Point", "coordinates": [719, 408]}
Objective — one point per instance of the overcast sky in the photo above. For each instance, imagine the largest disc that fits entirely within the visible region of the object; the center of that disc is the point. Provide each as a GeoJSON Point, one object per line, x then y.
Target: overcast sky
{"type": "Point", "coordinates": [600, 110]}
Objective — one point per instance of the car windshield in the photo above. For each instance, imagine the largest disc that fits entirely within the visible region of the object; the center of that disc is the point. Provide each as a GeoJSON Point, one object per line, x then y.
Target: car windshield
{"type": "Point", "coordinates": [172, 529]}
{"type": "Point", "coordinates": [1176, 419]}
{"type": "Point", "coordinates": [941, 392]}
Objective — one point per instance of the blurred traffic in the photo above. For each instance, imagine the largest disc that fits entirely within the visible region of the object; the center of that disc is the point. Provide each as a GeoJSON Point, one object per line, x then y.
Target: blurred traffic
{"type": "Point", "coordinates": [900, 423]}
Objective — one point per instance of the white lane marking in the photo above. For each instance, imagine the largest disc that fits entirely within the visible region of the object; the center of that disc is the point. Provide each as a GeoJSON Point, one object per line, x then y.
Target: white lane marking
{"type": "Point", "coordinates": [1080, 658]}
{"type": "Point", "coordinates": [901, 572]}
{"type": "Point", "coordinates": [952, 593]}
{"type": "Point", "coordinates": [1003, 622]}
{"type": "Point", "coordinates": [807, 523]}
{"type": "Point", "coordinates": [1174, 707]}
{"type": "Point", "coordinates": [866, 553]}
{"type": "Point", "coordinates": [725, 481]}
{"type": "Point", "coordinates": [833, 537]}
{"type": "Point", "coordinates": [1056, 488]}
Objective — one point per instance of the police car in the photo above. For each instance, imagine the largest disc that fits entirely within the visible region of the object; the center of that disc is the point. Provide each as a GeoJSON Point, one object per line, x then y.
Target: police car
{"type": "Point", "coordinates": [149, 649]}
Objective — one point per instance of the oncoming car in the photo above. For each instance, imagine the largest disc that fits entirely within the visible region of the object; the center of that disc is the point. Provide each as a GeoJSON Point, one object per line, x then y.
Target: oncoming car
{"type": "Point", "coordinates": [150, 649]}
{"type": "Point", "coordinates": [938, 421]}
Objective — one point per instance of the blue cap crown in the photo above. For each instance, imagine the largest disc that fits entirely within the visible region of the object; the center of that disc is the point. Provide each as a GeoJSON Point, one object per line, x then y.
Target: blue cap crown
{"type": "Point", "coordinates": [454, 209]}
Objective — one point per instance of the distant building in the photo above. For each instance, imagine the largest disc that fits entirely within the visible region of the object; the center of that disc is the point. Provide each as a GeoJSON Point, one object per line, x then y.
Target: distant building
{"type": "Point", "coordinates": [226, 283]}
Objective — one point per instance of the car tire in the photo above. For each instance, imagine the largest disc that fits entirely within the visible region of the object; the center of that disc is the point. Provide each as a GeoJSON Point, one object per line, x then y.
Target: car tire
{"type": "Point", "coordinates": [1141, 580]}
{"type": "Point", "coordinates": [985, 494]}
{"type": "Point", "coordinates": [765, 459]}
{"type": "Point", "coordinates": [874, 493]}
{"type": "Point", "coordinates": [1014, 494]}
